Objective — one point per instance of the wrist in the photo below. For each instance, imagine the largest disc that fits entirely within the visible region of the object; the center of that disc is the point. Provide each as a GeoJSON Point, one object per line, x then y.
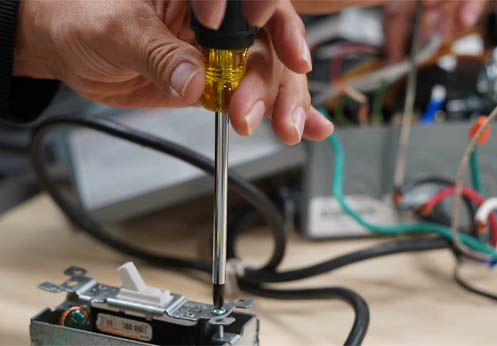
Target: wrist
{"type": "Point", "coordinates": [32, 43]}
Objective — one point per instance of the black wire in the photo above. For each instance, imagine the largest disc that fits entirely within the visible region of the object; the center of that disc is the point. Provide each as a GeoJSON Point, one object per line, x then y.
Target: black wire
{"type": "Point", "coordinates": [265, 208]}
{"type": "Point", "coordinates": [361, 309]}
{"type": "Point", "coordinates": [244, 216]}
{"type": "Point", "coordinates": [385, 249]}
{"type": "Point", "coordinates": [257, 199]}
{"type": "Point", "coordinates": [240, 217]}
{"type": "Point", "coordinates": [464, 284]}
{"type": "Point", "coordinates": [246, 190]}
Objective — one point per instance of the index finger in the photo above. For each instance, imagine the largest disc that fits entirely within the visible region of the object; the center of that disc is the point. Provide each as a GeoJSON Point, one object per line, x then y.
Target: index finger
{"type": "Point", "coordinates": [258, 12]}
{"type": "Point", "coordinates": [210, 13]}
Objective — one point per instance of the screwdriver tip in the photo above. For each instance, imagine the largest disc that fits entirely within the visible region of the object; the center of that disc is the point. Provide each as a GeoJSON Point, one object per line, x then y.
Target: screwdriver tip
{"type": "Point", "coordinates": [218, 295]}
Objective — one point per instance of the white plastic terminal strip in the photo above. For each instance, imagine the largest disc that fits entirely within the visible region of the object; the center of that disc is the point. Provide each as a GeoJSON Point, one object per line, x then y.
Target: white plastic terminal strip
{"type": "Point", "coordinates": [135, 289]}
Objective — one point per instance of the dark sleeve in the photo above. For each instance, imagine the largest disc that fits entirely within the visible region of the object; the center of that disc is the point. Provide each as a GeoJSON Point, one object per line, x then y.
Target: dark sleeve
{"type": "Point", "coordinates": [21, 99]}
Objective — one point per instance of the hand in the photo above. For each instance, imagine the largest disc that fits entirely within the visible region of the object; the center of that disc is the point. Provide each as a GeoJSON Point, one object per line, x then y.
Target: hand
{"type": "Point", "coordinates": [140, 53]}
{"type": "Point", "coordinates": [445, 17]}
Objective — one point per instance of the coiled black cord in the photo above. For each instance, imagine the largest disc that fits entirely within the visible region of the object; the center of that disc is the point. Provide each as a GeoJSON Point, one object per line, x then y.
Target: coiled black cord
{"type": "Point", "coordinates": [361, 321]}
{"type": "Point", "coordinates": [244, 216]}
{"type": "Point", "coordinates": [380, 250]}
{"type": "Point", "coordinates": [246, 190]}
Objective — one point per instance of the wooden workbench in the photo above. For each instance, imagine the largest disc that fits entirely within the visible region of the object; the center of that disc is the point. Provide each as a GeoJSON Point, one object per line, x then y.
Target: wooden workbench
{"type": "Point", "coordinates": [412, 298]}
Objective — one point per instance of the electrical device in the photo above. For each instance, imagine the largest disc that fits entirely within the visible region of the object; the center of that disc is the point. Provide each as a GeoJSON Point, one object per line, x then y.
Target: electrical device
{"type": "Point", "coordinates": [136, 314]}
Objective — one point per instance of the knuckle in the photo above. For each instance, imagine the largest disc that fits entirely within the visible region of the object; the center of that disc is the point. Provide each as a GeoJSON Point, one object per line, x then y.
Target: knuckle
{"type": "Point", "coordinates": [160, 60]}
{"type": "Point", "coordinates": [158, 54]}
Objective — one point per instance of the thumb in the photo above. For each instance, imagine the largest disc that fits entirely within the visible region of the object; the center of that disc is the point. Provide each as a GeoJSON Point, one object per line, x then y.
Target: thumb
{"type": "Point", "coordinates": [175, 66]}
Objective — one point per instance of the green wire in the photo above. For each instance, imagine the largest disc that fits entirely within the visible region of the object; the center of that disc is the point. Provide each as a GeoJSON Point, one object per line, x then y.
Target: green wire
{"type": "Point", "coordinates": [402, 228]}
{"type": "Point", "coordinates": [379, 99]}
{"type": "Point", "coordinates": [475, 171]}
{"type": "Point", "coordinates": [340, 116]}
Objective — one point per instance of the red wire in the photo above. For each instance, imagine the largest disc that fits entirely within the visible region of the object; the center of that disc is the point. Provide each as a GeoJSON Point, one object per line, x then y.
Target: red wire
{"type": "Point", "coordinates": [466, 192]}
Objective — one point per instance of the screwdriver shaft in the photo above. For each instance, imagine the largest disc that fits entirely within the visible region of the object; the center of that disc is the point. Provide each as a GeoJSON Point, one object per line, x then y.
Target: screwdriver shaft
{"type": "Point", "coordinates": [220, 209]}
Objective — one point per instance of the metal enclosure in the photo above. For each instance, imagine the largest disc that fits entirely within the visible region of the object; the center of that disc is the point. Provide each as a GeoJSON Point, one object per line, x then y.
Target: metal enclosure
{"type": "Point", "coordinates": [370, 154]}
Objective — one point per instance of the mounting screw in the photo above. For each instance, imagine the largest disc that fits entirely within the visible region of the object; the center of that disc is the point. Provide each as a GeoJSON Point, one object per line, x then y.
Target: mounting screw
{"type": "Point", "coordinates": [221, 311]}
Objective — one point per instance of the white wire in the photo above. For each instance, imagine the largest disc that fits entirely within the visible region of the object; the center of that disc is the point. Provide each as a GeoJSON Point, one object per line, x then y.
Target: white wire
{"type": "Point", "coordinates": [405, 127]}
{"type": "Point", "coordinates": [458, 191]}
{"type": "Point", "coordinates": [485, 209]}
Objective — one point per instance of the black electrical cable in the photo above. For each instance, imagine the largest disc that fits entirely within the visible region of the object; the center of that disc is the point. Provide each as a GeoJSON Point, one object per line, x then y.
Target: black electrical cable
{"type": "Point", "coordinates": [259, 202]}
{"type": "Point", "coordinates": [468, 287]}
{"type": "Point", "coordinates": [361, 321]}
{"type": "Point", "coordinates": [246, 190]}
{"type": "Point", "coordinates": [244, 216]}
{"type": "Point", "coordinates": [380, 250]}
{"type": "Point", "coordinates": [249, 216]}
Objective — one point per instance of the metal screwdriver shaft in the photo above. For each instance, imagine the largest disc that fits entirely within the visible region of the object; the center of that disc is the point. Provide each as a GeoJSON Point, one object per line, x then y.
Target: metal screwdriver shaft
{"type": "Point", "coordinates": [224, 51]}
{"type": "Point", "coordinates": [220, 209]}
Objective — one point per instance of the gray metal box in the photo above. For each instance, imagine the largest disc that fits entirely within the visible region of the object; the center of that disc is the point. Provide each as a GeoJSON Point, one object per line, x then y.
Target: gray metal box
{"type": "Point", "coordinates": [369, 164]}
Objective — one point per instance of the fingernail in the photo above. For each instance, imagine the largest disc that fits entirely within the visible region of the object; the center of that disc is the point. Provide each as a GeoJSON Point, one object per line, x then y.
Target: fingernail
{"type": "Point", "coordinates": [254, 117]}
{"type": "Point", "coordinates": [331, 127]}
{"type": "Point", "coordinates": [306, 55]}
{"type": "Point", "coordinates": [182, 76]}
{"type": "Point", "coordinates": [216, 19]}
{"type": "Point", "coordinates": [298, 121]}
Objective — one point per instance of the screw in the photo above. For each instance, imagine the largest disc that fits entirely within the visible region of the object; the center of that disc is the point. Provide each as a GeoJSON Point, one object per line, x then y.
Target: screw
{"type": "Point", "coordinates": [78, 318]}
{"type": "Point", "coordinates": [219, 311]}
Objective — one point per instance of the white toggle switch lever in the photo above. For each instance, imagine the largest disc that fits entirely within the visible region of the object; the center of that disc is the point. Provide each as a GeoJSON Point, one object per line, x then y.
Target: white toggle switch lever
{"type": "Point", "coordinates": [135, 289]}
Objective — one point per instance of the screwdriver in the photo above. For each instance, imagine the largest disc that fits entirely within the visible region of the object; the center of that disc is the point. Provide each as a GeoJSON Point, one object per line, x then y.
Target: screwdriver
{"type": "Point", "coordinates": [224, 53]}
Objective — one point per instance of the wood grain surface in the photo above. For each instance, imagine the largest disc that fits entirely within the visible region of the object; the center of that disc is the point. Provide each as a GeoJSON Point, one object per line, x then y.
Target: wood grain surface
{"type": "Point", "coordinates": [413, 298]}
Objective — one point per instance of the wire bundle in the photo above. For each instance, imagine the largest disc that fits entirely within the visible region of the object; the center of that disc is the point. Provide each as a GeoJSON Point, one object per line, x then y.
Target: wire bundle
{"type": "Point", "coordinates": [469, 193]}
{"type": "Point", "coordinates": [468, 250]}
{"type": "Point", "coordinates": [402, 228]}
{"type": "Point", "coordinates": [463, 243]}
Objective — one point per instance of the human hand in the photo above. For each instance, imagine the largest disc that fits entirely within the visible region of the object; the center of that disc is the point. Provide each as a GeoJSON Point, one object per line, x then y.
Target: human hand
{"type": "Point", "coordinates": [445, 17]}
{"type": "Point", "coordinates": [140, 53]}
